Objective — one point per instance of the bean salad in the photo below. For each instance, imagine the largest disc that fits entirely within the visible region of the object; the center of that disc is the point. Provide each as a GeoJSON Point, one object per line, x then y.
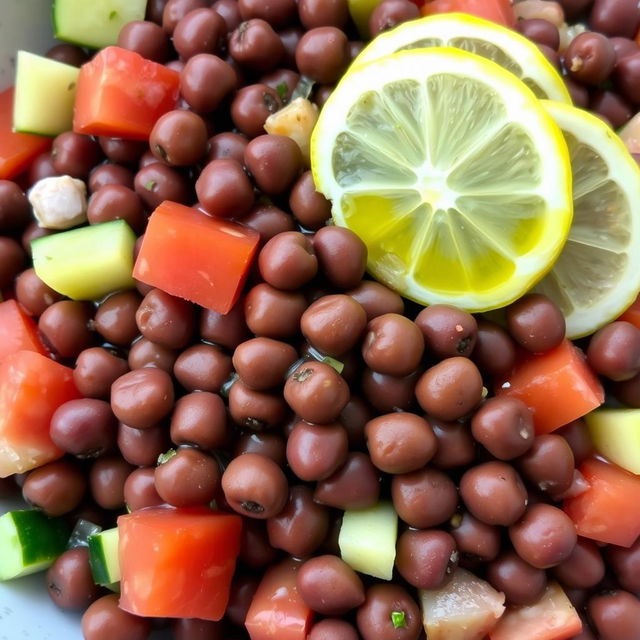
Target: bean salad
{"type": "Point", "coordinates": [321, 391]}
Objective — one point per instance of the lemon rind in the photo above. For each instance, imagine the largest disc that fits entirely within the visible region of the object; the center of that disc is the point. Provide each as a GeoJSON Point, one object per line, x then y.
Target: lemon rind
{"type": "Point", "coordinates": [455, 25]}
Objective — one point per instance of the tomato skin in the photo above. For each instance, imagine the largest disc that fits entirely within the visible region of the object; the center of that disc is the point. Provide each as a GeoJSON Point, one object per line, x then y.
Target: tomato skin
{"type": "Point", "coordinates": [17, 150]}
{"type": "Point", "coordinates": [32, 387]}
{"type": "Point", "coordinates": [553, 617]}
{"type": "Point", "coordinates": [18, 331]}
{"type": "Point", "coordinates": [608, 510]}
{"type": "Point", "coordinates": [177, 562]}
{"type": "Point", "coordinates": [557, 386]}
{"type": "Point", "coordinates": [192, 255]}
{"type": "Point", "coordinates": [499, 11]}
{"type": "Point", "coordinates": [277, 611]}
{"type": "Point", "coordinates": [121, 94]}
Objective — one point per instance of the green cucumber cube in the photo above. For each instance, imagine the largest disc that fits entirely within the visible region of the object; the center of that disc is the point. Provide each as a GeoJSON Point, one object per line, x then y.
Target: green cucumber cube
{"type": "Point", "coordinates": [30, 542]}
{"type": "Point", "coordinates": [103, 557]}
{"type": "Point", "coordinates": [94, 23]}
{"type": "Point", "coordinates": [367, 540]}
{"type": "Point", "coordinates": [616, 435]}
{"type": "Point", "coordinates": [87, 263]}
{"type": "Point", "coordinates": [45, 91]}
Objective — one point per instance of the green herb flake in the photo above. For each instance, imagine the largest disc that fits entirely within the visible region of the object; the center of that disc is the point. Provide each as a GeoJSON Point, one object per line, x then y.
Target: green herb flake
{"type": "Point", "coordinates": [165, 457]}
{"type": "Point", "coordinates": [151, 185]}
{"type": "Point", "coordinates": [282, 90]}
{"type": "Point", "coordinates": [398, 619]}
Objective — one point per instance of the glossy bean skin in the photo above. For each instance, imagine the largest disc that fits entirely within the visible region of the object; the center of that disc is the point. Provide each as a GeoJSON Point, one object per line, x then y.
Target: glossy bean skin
{"type": "Point", "coordinates": [374, 615]}
{"type": "Point", "coordinates": [255, 486]}
{"type": "Point", "coordinates": [448, 331]}
{"type": "Point", "coordinates": [333, 324]}
{"type": "Point", "coordinates": [393, 345]}
{"type": "Point", "coordinates": [615, 18]}
{"type": "Point", "coordinates": [535, 323]}
{"type": "Point", "coordinates": [301, 526]}
{"type": "Point", "coordinates": [188, 478]}
{"type": "Point", "coordinates": [521, 583]}
{"type": "Point", "coordinates": [590, 58]}
{"type": "Point", "coordinates": [104, 619]}
{"type": "Point", "coordinates": [424, 498]}
{"type": "Point", "coordinates": [314, 452]}
{"type": "Point", "coordinates": [494, 493]}
{"type": "Point", "coordinates": [551, 523]}
{"type": "Point", "coordinates": [400, 442]}
{"type": "Point", "coordinates": [329, 586]}
{"type": "Point", "coordinates": [450, 389]}
{"type": "Point", "coordinates": [615, 615]}
{"type": "Point", "coordinates": [316, 392]}
{"type": "Point", "coordinates": [70, 582]}
{"type": "Point", "coordinates": [425, 557]}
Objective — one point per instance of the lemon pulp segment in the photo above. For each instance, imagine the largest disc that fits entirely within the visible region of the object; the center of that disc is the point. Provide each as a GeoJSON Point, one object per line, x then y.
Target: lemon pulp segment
{"type": "Point", "coordinates": [450, 171]}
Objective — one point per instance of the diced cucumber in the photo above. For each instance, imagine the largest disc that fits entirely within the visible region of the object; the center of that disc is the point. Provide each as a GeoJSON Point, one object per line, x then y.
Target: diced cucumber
{"type": "Point", "coordinates": [94, 23]}
{"type": "Point", "coordinates": [367, 540]}
{"type": "Point", "coordinates": [45, 91]}
{"type": "Point", "coordinates": [86, 263]}
{"type": "Point", "coordinates": [103, 557]}
{"type": "Point", "coordinates": [30, 542]}
{"type": "Point", "coordinates": [616, 435]}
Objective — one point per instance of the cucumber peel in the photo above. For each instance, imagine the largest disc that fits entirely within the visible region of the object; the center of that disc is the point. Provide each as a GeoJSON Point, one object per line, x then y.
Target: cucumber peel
{"type": "Point", "coordinates": [30, 542]}
{"type": "Point", "coordinates": [103, 557]}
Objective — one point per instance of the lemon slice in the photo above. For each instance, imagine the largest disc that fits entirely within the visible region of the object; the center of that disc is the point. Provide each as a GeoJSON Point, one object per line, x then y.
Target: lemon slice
{"type": "Point", "coordinates": [504, 46]}
{"type": "Point", "coordinates": [597, 275]}
{"type": "Point", "coordinates": [451, 172]}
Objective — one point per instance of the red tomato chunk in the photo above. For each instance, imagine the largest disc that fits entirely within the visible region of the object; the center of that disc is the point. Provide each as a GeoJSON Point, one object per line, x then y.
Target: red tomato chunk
{"type": "Point", "coordinates": [121, 94]}
{"type": "Point", "coordinates": [557, 386]}
{"type": "Point", "coordinates": [177, 563]}
{"type": "Point", "coordinates": [277, 611]}
{"type": "Point", "coordinates": [19, 331]}
{"type": "Point", "coordinates": [553, 617]}
{"type": "Point", "coordinates": [194, 256]}
{"type": "Point", "coordinates": [17, 150]}
{"type": "Point", "coordinates": [499, 11]}
{"type": "Point", "coordinates": [32, 387]}
{"type": "Point", "coordinates": [608, 510]}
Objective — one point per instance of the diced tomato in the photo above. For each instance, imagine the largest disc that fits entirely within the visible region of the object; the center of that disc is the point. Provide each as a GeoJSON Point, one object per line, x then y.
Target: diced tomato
{"type": "Point", "coordinates": [553, 617]}
{"type": "Point", "coordinates": [608, 510]}
{"type": "Point", "coordinates": [121, 94]}
{"type": "Point", "coordinates": [32, 387]}
{"type": "Point", "coordinates": [499, 11]}
{"type": "Point", "coordinates": [277, 611]}
{"type": "Point", "coordinates": [194, 256]}
{"type": "Point", "coordinates": [557, 386]}
{"type": "Point", "coordinates": [466, 607]}
{"type": "Point", "coordinates": [17, 150]}
{"type": "Point", "coordinates": [632, 314]}
{"type": "Point", "coordinates": [18, 331]}
{"type": "Point", "coordinates": [177, 562]}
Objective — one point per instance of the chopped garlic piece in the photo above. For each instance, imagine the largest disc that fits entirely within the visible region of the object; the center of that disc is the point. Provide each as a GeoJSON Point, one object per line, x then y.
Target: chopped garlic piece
{"type": "Point", "coordinates": [296, 120]}
{"type": "Point", "coordinates": [59, 202]}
